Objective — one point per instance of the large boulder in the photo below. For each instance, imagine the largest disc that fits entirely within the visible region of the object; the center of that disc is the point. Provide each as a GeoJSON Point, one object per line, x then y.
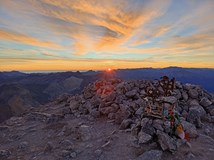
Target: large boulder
{"type": "Point", "coordinates": [143, 137]}
{"type": "Point", "coordinates": [190, 129]}
{"type": "Point", "coordinates": [166, 142]}
{"type": "Point", "coordinates": [205, 102]}
{"type": "Point", "coordinates": [193, 93]}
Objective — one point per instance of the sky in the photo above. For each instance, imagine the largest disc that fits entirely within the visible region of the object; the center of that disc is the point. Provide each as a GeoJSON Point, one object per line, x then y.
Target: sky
{"type": "Point", "coordinates": [101, 34]}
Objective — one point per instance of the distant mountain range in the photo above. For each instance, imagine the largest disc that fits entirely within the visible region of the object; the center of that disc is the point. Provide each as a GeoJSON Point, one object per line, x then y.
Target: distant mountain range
{"type": "Point", "coordinates": [20, 91]}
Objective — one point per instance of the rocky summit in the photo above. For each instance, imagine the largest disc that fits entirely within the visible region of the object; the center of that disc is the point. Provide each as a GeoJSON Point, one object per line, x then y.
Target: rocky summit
{"type": "Point", "coordinates": [116, 119]}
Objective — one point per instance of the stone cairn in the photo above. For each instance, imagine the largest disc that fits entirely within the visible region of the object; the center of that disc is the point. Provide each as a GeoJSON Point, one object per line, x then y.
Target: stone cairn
{"type": "Point", "coordinates": [143, 108]}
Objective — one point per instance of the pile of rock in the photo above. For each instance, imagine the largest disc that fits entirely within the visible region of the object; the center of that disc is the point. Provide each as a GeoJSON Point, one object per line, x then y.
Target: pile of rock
{"type": "Point", "coordinates": [124, 102]}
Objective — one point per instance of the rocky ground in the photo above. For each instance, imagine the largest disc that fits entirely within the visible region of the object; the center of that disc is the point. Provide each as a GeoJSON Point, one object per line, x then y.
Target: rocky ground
{"type": "Point", "coordinates": [108, 121]}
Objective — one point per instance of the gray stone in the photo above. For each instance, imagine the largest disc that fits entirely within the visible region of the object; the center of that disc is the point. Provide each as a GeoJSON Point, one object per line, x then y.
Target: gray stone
{"type": "Point", "coordinates": [151, 155]}
{"type": "Point", "coordinates": [158, 124]}
{"type": "Point", "coordinates": [144, 138]}
{"type": "Point", "coordinates": [169, 99]}
{"type": "Point", "coordinates": [4, 154]}
{"type": "Point", "coordinates": [142, 92]}
{"type": "Point", "coordinates": [119, 99]}
{"type": "Point", "coordinates": [85, 132]}
{"type": "Point", "coordinates": [121, 115]}
{"type": "Point", "coordinates": [87, 94]}
{"type": "Point", "coordinates": [111, 116]}
{"type": "Point", "coordinates": [131, 94]}
{"type": "Point", "coordinates": [190, 129]}
{"type": "Point", "coordinates": [193, 93]}
{"type": "Point", "coordinates": [74, 105]}
{"type": "Point", "coordinates": [190, 156]}
{"type": "Point", "coordinates": [212, 112]}
{"type": "Point", "coordinates": [98, 152]}
{"type": "Point", "coordinates": [188, 86]}
{"type": "Point", "coordinates": [194, 117]}
{"type": "Point", "coordinates": [185, 96]}
{"type": "Point", "coordinates": [193, 102]}
{"type": "Point", "coordinates": [73, 155]}
{"type": "Point", "coordinates": [67, 144]}
{"type": "Point", "coordinates": [209, 108]}
{"type": "Point", "coordinates": [95, 113]}
{"type": "Point", "coordinates": [139, 112]}
{"type": "Point", "coordinates": [126, 123]}
{"type": "Point", "coordinates": [144, 122]}
{"type": "Point", "coordinates": [166, 142]}
{"type": "Point", "coordinates": [147, 127]}
{"type": "Point", "coordinates": [107, 110]}
{"type": "Point", "coordinates": [178, 85]}
{"type": "Point", "coordinates": [167, 126]}
{"type": "Point", "coordinates": [200, 109]}
{"type": "Point", "coordinates": [177, 94]}
{"type": "Point", "coordinates": [65, 153]}
{"type": "Point", "coordinates": [23, 145]}
{"type": "Point", "coordinates": [111, 97]}
{"type": "Point", "coordinates": [205, 102]}
{"type": "Point", "coordinates": [48, 147]}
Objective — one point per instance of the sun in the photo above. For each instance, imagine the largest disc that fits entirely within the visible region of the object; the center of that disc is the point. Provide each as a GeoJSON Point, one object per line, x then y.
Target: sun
{"type": "Point", "coordinates": [109, 70]}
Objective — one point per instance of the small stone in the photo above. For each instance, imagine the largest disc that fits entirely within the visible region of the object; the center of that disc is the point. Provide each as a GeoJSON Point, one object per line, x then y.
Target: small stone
{"type": "Point", "coordinates": [65, 153]}
{"type": "Point", "coordinates": [193, 93]}
{"type": "Point", "coordinates": [190, 156]}
{"type": "Point", "coordinates": [157, 124]}
{"type": "Point", "coordinates": [143, 137]}
{"type": "Point", "coordinates": [95, 113]}
{"type": "Point", "coordinates": [121, 115]}
{"type": "Point", "coordinates": [131, 94]}
{"type": "Point", "coordinates": [107, 110]}
{"type": "Point", "coordinates": [23, 145]}
{"type": "Point", "coordinates": [4, 154]}
{"type": "Point", "coordinates": [170, 99]}
{"type": "Point", "coordinates": [126, 124]}
{"type": "Point", "coordinates": [98, 152]}
{"type": "Point", "coordinates": [67, 144]}
{"type": "Point", "coordinates": [167, 126]}
{"type": "Point", "coordinates": [48, 147]}
{"type": "Point", "coordinates": [193, 102]}
{"type": "Point", "coordinates": [185, 96]}
{"type": "Point", "coordinates": [205, 102]}
{"type": "Point", "coordinates": [177, 94]}
{"type": "Point", "coordinates": [139, 112]}
{"type": "Point", "coordinates": [111, 116]}
{"type": "Point", "coordinates": [73, 155]}
{"type": "Point", "coordinates": [85, 132]}
{"type": "Point", "coordinates": [146, 126]}
{"type": "Point", "coordinates": [144, 122]}
{"type": "Point", "coordinates": [151, 155]}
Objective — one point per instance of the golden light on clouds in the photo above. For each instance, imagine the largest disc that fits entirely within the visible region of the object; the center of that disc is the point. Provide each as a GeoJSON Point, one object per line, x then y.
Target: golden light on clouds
{"type": "Point", "coordinates": [100, 34]}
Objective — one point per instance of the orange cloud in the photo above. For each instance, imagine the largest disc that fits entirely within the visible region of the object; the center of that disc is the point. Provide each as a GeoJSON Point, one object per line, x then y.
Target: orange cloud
{"type": "Point", "coordinates": [94, 64]}
{"type": "Point", "coordinates": [23, 39]}
{"type": "Point", "coordinates": [97, 25]}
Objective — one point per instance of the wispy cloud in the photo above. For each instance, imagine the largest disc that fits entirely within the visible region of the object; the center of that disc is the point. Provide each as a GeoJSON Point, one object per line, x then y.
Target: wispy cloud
{"type": "Point", "coordinates": [99, 28]}
{"type": "Point", "coordinates": [24, 39]}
